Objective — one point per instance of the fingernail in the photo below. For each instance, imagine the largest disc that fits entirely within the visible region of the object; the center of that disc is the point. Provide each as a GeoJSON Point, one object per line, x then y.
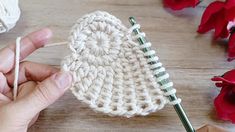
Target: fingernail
{"type": "Point", "coordinates": [63, 80]}
{"type": "Point", "coordinates": [44, 34]}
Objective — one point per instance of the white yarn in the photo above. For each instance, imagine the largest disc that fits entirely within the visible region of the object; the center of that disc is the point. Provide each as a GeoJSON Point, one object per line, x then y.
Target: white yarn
{"type": "Point", "coordinates": [9, 14]}
{"type": "Point", "coordinates": [17, 63]}
{"type": "Point", "coordinates": [156, 66]}
{"type": "Point", "coordinates": [111, 72]}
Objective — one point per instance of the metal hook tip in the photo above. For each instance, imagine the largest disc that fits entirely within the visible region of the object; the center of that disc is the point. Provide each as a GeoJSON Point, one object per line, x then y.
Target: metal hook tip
{"type": "Point", "coordinates": [132, 20]}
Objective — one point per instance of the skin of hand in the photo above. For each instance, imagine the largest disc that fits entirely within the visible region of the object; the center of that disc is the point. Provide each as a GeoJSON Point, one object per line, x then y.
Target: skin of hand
{"type": "Point", "coordinates": [210, 128]}
{"type": "Point", "coordinates": [39, 85]}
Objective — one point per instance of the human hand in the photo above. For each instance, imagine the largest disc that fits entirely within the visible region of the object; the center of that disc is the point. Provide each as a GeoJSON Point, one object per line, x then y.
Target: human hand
{"type": "Point", "coordinates": [210, 128]}
{"type": "Point", "coordinates": [39, 85]}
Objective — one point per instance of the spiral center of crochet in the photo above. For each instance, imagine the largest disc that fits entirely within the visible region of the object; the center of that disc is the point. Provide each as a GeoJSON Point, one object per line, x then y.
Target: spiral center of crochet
{"type": "Point", "coordinates": [98, 43]}
{"type": "Point", "coordinates": [111, 72]}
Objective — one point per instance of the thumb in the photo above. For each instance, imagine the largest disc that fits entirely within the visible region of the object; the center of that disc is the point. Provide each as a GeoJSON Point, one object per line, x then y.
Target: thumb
{"type": "Point", "coordinates": [46, 93]}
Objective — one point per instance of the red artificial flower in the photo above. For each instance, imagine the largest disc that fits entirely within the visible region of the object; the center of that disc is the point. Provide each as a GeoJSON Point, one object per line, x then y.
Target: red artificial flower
{"type": "Point", "coordinates": [230, 7]}
{"type": "Point", "coordinates": [225, 101]}
{"type": "Point", "coordinates": [180, 4]}
{"type": "Point", "coordinates": [214, 18]}
{"type": "Point", "coordinates": [217, 16]}
{"type": "Point", "coordinates": [231, 45]}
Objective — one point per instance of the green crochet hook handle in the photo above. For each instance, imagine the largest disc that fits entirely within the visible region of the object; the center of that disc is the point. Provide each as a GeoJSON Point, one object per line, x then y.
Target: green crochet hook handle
{"type": "Point", "coordinates": [178, 108]}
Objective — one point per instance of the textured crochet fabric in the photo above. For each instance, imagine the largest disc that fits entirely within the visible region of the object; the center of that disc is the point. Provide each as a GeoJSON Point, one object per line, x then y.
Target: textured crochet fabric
{"type": "Point", "coordinates": [111, 74]}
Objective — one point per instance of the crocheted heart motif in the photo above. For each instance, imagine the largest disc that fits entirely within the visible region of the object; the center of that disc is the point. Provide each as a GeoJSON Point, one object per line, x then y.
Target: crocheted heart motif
{"type": "Point", "coordinates": [110, 71]}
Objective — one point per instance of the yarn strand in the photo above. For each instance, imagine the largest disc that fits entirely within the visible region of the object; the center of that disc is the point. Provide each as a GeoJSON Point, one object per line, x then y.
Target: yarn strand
{"type": "Point", "coordinates": [156, 66]}
{"type": "Point", "coordinates": [56, 44]}
{"type": "Point", "coordinates": [17, 63]}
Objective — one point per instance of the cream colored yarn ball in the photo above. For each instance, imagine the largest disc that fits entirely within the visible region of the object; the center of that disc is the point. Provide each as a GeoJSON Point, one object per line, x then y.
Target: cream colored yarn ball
{"type": "Point", "coordinates": [9, 14]}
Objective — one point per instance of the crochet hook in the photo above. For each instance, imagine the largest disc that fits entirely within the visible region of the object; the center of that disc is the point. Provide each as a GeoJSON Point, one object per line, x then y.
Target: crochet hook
{"type": "Point", "coordinates": [178, 108]}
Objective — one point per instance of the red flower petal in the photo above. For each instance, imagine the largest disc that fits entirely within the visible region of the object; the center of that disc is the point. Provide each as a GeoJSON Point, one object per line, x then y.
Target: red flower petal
{"type": "Point", "coordinates": [210, 18]}
{"type": "Point", "coordinates": [203, 28]}
{"type": "Point", "coordinates": [231, 47]}
{"type": "Point", "coordinates": [230, 75]}
{"type": "Point", "coordinates": [230, 4]}
{"type": "Point", "coordinates": [218, 78]}
{"type": "Point", "coordinates": [218, 107]}
{"type": "Point", "coordinates": [225, 102]}
{"type": "Point", "coordinates": [221, 26]}
{"type": "Point", "coordinates": [230, 14]}
{"type": "Point", "coordinates": [230, 10]}
{"type": "Point", "coordinates": [213, 8]}
{"type": "Point", "coordinates": [228, 78]}
{"type": "Point", "coordinates": [180, 4]}
{"type": "Point", "coordinates": [225, 80]}
{"type": "Point", "coordinates": [224, 108]}
{"type": "Point", "coordinates": [219, 84]}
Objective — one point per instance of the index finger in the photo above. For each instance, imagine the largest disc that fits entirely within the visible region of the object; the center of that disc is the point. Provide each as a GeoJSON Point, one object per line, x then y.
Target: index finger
{"type": "Point", "coordinates": [29, 44]}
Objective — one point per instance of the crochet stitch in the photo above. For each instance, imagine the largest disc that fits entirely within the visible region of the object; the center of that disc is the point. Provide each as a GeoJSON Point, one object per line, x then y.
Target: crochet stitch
{"type": "Point", "coordinates": [111, 73]}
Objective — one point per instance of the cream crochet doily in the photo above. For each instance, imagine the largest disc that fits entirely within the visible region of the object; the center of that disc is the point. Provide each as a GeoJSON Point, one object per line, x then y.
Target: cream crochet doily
{"type": "Point", "coordinates": [110, 71]}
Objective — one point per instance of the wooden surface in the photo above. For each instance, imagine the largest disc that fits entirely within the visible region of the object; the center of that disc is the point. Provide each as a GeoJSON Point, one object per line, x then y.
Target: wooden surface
{"type": "Point", "coordinates": [191, 60]}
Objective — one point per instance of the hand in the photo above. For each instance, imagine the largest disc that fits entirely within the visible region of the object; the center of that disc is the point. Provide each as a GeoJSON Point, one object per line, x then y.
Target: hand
{"type": "Point", "coordinates": [210, 128]}
{"type": "Point", "coordinates": [39, 85]}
